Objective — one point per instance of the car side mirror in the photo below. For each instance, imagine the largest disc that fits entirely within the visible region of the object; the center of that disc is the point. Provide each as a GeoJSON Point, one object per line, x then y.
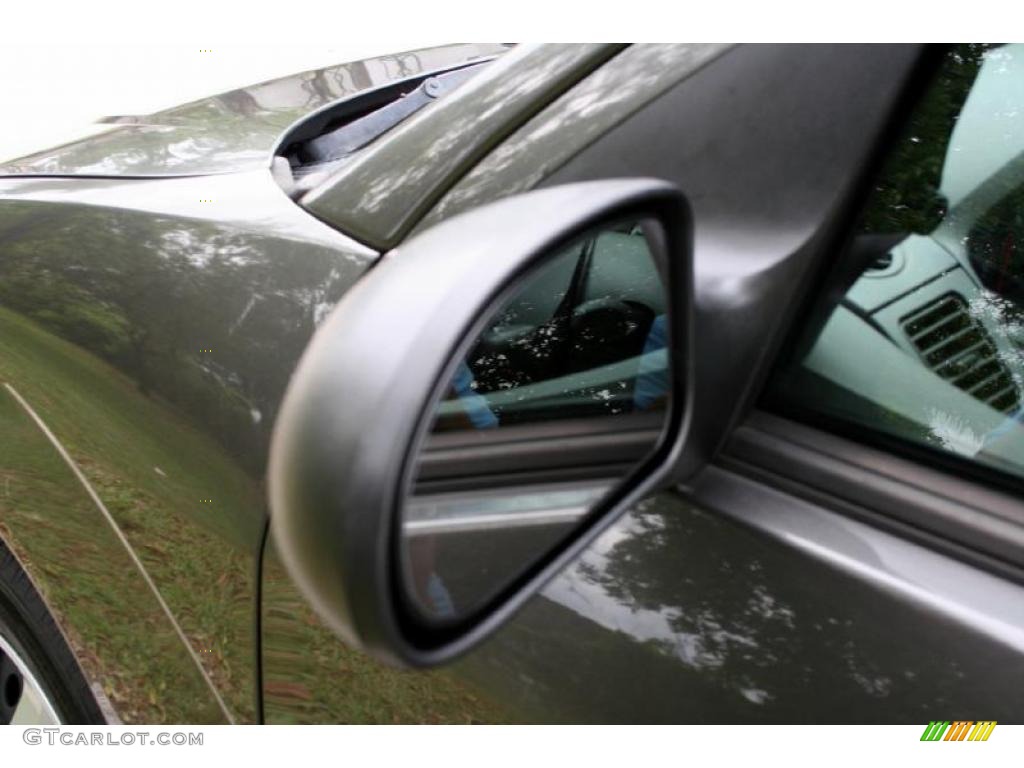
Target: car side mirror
{"type": "Point", "coordinates": [479, 407]}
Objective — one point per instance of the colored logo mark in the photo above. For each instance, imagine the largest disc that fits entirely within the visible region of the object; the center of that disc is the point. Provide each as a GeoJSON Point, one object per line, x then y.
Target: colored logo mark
{"type": "Point", "coordinates": [958, 730]}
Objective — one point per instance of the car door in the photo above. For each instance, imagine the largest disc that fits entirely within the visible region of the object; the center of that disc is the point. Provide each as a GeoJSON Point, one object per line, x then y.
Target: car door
{"type": "Point", "coordinates": [820, 556]}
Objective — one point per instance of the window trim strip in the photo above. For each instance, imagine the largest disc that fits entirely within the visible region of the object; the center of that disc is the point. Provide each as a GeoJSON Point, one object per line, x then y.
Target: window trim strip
{"type": "Point", "coordinates": [971, 521]}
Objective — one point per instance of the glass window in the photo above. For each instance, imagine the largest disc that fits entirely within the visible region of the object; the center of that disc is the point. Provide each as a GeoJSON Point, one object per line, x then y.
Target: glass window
{"type": "Point", "coordinates": [584, 336]}
{"type": "Point", "coordinates": [923, 339]}
{"type": "Point", "coordinates": [561, 394]}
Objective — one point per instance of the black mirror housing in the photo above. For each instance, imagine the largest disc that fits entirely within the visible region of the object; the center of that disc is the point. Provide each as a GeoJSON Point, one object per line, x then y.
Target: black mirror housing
{"type": "Point", "coordinates": [355, 409]}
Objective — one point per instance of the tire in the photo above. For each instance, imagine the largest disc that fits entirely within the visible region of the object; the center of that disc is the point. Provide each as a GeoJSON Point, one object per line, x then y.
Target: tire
{"type": "Point", "coordinates": [27, 628]}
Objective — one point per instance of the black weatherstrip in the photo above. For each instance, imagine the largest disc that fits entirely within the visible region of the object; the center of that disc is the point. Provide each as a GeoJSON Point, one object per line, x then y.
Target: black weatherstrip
{"type": "Point", "coordinates": [972, 522]}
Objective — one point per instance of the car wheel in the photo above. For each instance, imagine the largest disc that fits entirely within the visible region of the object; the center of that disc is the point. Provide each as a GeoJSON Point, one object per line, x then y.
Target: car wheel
{"type": "Point", "coordinates": [40, 680]}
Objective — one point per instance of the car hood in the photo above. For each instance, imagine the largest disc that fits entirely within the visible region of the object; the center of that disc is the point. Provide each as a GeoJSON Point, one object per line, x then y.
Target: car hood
{"type": "Point", "coordinates": [232, 131]}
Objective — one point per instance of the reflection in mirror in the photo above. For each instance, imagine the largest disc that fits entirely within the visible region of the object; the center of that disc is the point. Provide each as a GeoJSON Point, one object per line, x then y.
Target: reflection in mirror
{"type": "Point", "coordinates": [560, 394]}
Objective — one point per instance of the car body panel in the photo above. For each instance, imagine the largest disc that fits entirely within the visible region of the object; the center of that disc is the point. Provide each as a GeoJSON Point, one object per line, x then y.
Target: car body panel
{"type": "Point", "coordinates": [154, 335]}
{"type": "Point", "coordinates": [380, 194]}
{"type": "Point", "coordinates": [627, 83]}
{"type": "Point", "coordinates": [232, 131]}
{"type": "Point", "coordinates": [310, 676]}
{"type": "Point", "coordinates": [727, 600]}
{"type": "Point", "coordinates": [781, 613]}
{"type": "Point", "coordinates": [300, 686]}
{"type": "Point", "coordinates": [111, 620]}
{"type": "Point", "coordinates": [152, 325]}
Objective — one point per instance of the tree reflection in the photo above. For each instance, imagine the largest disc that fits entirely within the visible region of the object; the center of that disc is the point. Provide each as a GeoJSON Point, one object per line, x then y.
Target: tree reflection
{"type": "Point", "coordinates": [231, 131]}
{"type": "Point", "coordinates": [150, 294]}
{"type": "Point", "coordinates": [678, 615]}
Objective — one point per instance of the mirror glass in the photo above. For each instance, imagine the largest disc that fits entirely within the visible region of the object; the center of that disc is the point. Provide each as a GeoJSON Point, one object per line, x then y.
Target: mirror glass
{"type": "Point", "coordinates": [558, 397]}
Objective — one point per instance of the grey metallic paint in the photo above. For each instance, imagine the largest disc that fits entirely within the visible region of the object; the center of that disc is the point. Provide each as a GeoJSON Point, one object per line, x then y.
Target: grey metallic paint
{"type": "Point", "coordinates": [379, 195]}
{"type": "Point", "coordinates": [232, 131]}
{"type": "Point", "coordinates": [242, 275]}
{"type": "Point", "coordinates": [726, 600]}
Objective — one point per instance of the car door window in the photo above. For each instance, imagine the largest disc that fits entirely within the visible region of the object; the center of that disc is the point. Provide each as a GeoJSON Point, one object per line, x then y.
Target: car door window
{"type": "Point", "coordinates": [921, 336]}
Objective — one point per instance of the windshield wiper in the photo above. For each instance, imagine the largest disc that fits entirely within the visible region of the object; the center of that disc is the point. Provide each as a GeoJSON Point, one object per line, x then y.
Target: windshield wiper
{"type": "Point", "coordinates": [342, 141]}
